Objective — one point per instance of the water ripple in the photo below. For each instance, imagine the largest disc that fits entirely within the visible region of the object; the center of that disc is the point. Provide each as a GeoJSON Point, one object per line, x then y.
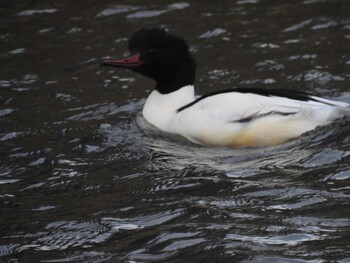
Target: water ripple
{"type": "Point", "coordinates": [84, 178]}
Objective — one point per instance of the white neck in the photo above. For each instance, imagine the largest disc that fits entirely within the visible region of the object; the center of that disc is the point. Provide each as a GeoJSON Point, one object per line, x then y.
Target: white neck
{"type": "Point", "coordinates": [160, 109]}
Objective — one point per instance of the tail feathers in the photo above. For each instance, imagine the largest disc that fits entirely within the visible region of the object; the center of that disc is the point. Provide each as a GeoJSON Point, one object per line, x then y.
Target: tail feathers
{"type": "Point", "coordinates": [326, 112]}
{"type": "Point", "coordinates": [336, 103]}
{"type": "Point", "coordinates": [337, 109]}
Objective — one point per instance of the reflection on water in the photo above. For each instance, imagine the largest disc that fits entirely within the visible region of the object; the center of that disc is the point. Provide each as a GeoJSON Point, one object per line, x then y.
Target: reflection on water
{"type": "Point", "coordinates": [84, 178]}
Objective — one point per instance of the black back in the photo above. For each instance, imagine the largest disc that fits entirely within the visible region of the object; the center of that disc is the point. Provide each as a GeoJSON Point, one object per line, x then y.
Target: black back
{"type": "Point", "coordinates": [286, 93]}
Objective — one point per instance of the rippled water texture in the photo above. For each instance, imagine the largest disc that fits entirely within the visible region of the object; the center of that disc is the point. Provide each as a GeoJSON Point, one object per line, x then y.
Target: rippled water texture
{"type": "Point", "coordinates": [83, 179]}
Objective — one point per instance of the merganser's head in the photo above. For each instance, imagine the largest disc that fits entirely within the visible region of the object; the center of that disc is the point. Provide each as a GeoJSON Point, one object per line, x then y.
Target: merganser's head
{"type": "Point", "coordinates": [161, 56]}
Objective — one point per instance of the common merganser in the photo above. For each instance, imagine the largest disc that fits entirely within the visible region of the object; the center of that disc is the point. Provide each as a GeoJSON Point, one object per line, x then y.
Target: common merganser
{"type": "Point", "coordinates": [240, 117]}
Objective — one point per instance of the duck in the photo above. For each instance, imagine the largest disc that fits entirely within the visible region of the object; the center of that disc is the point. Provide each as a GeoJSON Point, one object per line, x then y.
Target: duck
{"type": "Point", "coordinates": [237, 117]}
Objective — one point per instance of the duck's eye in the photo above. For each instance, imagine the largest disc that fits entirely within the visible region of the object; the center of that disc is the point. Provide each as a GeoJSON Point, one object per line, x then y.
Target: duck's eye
{"type": "Point", "coordinates": [151, 50]}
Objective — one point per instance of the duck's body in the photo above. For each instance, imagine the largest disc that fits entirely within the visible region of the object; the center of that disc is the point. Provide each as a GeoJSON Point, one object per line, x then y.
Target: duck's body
{"type": "Point", "coordinates": [235, 118]}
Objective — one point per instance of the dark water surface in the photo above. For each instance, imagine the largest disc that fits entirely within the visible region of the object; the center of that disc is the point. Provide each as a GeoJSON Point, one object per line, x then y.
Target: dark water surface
{"type": "Point", "coordinates": [82, 181]}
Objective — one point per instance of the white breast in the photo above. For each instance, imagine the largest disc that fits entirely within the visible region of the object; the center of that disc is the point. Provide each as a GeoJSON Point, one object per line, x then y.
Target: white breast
{"type": "Point", "coordinates": [160, 109]}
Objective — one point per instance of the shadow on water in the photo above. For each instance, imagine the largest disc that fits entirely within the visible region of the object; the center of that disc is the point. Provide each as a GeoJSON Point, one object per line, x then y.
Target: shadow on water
{"type": "Point", "coordinates": [84, 178]}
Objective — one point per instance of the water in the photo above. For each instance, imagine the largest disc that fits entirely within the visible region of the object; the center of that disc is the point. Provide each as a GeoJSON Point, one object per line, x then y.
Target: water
{"type": "Point", "coordinates": [83, 180]}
